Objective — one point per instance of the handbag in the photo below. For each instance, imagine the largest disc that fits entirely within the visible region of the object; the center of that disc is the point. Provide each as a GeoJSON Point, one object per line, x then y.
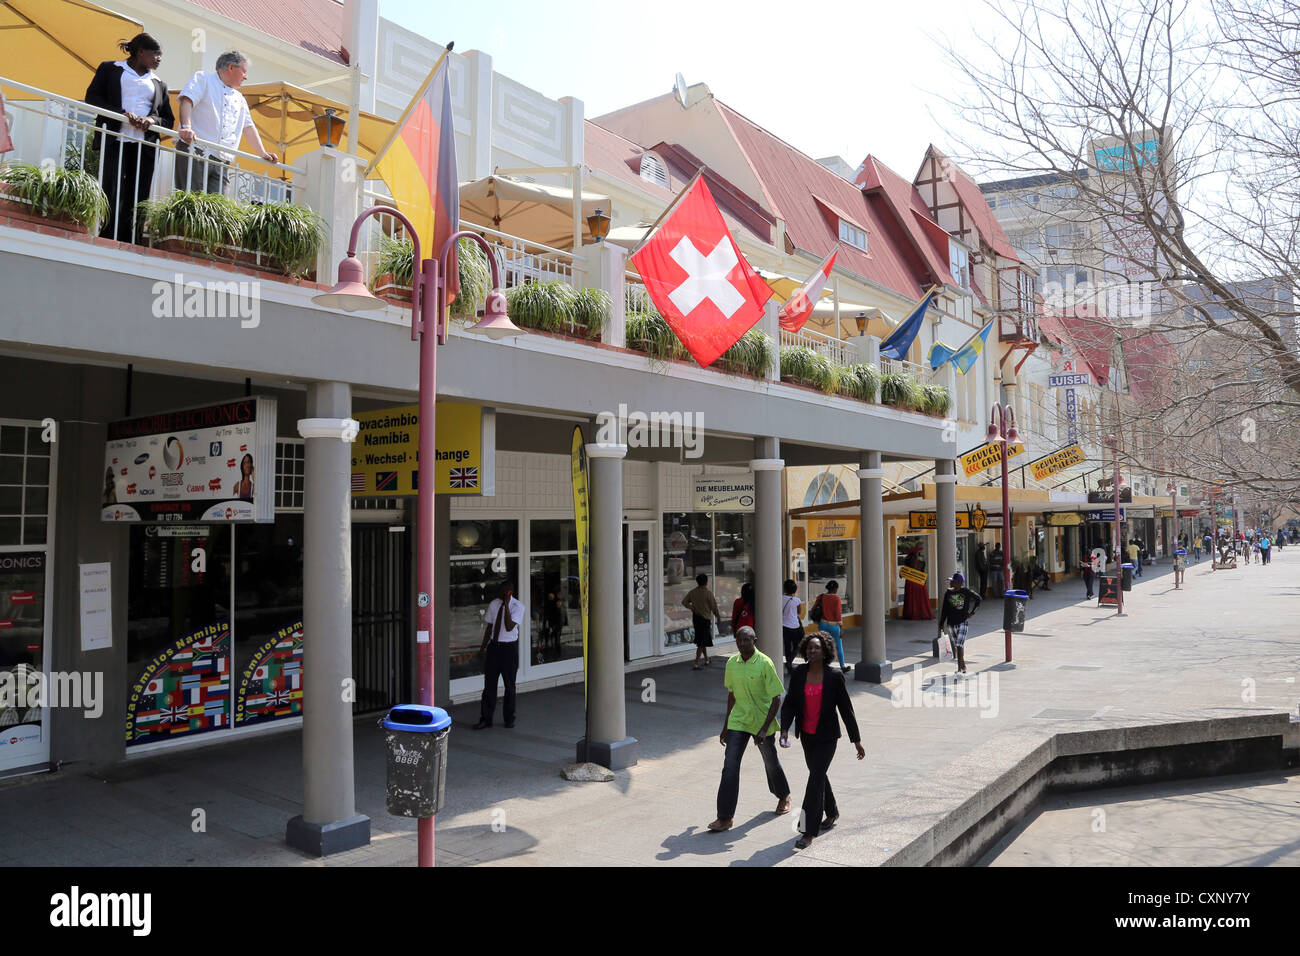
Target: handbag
{"type": "Point", "coordinates": [815, 615]}
{"type": "Point", "coordinates": [945, 647]}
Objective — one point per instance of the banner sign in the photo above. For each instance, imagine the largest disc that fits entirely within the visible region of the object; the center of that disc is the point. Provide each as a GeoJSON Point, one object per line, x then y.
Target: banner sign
{"type": "Point", "coordinates": [1106, 497]}
{"type": "Point", "coordinates": [1107, 517]}
{"type": "Point", "coordinates": [1063, 519]}
{"type": "Point", "coordinates": [582, 525]}
{"type": "Point", "coordinates": [1108, 592]}
{"type": "Point", "coordinates": [386, 454]}
{"type": "Point", "coordinates": [193, 464]}
{"type": "Point", "coordinates": [986, 456]}
{"type": "Point", "coordinates": [929, 520]}
{"type": "Point", "coordinates": [1071, 416]}
{"type": "Point", "coordinates": [1048, 465]}
{"type": "Point", "coordinates": [915, 575]}
{"type": "Point", "coordinates": [832, 529]}
{"type": "Point", "coordinates": [1078, 378]}
{"type": "Point", "coordinates": [728, 493]}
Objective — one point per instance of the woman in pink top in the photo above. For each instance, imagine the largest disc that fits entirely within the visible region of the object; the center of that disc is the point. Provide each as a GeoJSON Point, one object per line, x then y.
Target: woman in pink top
{"type": "Point", "coordinates": [817, 692]}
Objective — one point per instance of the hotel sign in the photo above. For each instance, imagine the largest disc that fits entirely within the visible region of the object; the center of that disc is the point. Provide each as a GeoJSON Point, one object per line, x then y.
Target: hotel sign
{"type": "Point", "coordinates": [986, 456]}
{"type": "Point", "coordinates": [1049, 465]}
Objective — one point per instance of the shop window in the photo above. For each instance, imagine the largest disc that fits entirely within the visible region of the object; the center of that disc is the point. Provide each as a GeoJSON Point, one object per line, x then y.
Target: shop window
{"type": "Point", "coordinates": [290, 460]}
{"type": "Point", "coordinates": [832, 561]}
{"type": "Point", "coordinates": [554, 592]}
{"type": "Point", "coordinates": [688, 551]}
{"type": "Point", "coordinates": [268, 620]}
{"type": "Point", "coordinates": [24, 485]}
{"type": "Point", "coordinates": [825, 488]}
{"type": "Point", "coordinates": [732, 549]}
{"type": "Point", "coordinates": [484, 553]}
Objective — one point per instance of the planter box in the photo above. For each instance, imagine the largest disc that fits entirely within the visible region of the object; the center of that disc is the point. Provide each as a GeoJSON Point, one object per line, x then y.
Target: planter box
{"type": "Point", "coordinates": [386, 287]}
{"type": "Point", "coordinates": [233, 255]}
{"type": "Point", "coordinates": [24, 211]}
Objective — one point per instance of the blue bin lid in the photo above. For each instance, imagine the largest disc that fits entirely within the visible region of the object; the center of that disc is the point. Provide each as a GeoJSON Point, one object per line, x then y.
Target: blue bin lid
{"type": "Point", "coordinates": [1023, 595]}
{"type": "Point", "coordinates": [1127, 565]}
{"type": "Point", "coordinates": [417, 719]}
{"type": "Point", "coordinates": [1181, 551]}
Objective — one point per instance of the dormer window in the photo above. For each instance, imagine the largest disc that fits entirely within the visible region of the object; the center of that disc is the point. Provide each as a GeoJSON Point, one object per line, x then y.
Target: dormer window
{"type": "Point", "coordinates": [653, 170]}
{"type": "Point", "coordinates": [855, 236]}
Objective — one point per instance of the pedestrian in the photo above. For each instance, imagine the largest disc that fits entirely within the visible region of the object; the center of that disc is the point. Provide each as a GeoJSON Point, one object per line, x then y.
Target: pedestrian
{"type": "Point", "coordinates": [1265, 548]}
{"type": "Point", "coordinates": [213, 109]}
{"type": "Point", "coordinates": [130, 87]}
{"type": "Point", "coordinates": [1196, 551]}
{"type": "Point", "coordinates": [831, 617]}
{"type": "Point", "coordinates": [791, 628]}
{"type": "Point", "coordinates": [704, 612]}
{"type": "Point", "coordinates": [1085, 568]}
{"type": "Point", "coordinates": [753, 699]}
{"type": "Point", "coordinates": [742, 609]}
{"type": "Point", "coordinates": [1135, 556]}
{"type": "Point", "coordinates": [997, 568]}
{"type": "Point", "coordinates": [500, 653]}
{"type": "Point", "coordinates": [982, 568]}
{"type": "Point", "coordinates": [958, 606]}
{"type": "Point", "coordinates": [817, 695]}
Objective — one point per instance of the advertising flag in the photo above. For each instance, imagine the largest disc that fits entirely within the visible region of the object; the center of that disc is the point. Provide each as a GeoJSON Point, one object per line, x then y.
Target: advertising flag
{"type": "Point", "coordinates": [582, 526]}
{"type": "Point", "coordinates": [697, 278]}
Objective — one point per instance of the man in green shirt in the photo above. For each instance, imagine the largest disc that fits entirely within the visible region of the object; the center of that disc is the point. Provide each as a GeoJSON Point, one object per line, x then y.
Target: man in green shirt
{"type": "Point", "coordinates": [753, 699]}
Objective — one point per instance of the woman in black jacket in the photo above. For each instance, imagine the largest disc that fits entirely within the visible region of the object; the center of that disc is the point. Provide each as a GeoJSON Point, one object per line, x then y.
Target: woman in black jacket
{"type": "Point", "coordinates": [816, 693]}
{"type": "Point", "coordinates": [126, 166]}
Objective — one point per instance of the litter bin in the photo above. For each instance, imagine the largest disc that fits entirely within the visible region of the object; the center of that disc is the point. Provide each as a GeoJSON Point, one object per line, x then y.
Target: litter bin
{"type": "Point", "coordinates": [1126, 581]}
{"type": "Point", "coordinates": [415, 736]}
{"type": "Point", "coordinates": [1013, 610]}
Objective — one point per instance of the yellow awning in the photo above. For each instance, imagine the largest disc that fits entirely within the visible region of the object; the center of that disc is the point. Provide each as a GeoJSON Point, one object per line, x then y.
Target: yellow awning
{"type": "Point", "coordinates": [57, 44]}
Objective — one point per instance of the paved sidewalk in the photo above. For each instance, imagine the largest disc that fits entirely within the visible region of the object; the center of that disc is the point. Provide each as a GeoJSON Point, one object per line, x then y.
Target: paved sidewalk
{"type": "Point", "coordinates": [1226, 636]}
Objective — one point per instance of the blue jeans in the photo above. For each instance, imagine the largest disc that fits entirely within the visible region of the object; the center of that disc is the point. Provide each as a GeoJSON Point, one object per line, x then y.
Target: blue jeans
{"type": "Point", "coordinates": [835, 630]}
{"type": "Point", "coordinates": [729, 788]}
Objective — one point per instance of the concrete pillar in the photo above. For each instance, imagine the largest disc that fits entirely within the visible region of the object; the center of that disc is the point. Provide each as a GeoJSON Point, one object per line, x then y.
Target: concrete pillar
{"type": "Point", "coordinates": [770, 325]}
{"type": "Point", "coordinates": [768, 562]}
{"type": "Point", "coordinates": [334, 193]}
{"type": "Point", "coordinates": [607, 709]}
{"type": "Point", "coordinates": [329, 822]}
{"type": "Point", "coordinates": [875, 666]}
{"type": "Point", "coordinates": [608, 265]}
{"type": "Point", "coordinates": [945, 495]}
{"type": "Point", "coordinates": [868, 348]}
{"type": "Point", "coordinates": [478, 101]}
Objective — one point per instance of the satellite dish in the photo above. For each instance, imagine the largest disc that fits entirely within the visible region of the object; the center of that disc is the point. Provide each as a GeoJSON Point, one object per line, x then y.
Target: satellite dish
{"type": "Point", "coordinates": [679, 87]}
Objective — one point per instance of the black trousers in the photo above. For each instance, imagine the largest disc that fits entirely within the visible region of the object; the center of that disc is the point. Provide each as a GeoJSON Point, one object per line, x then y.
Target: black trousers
{"type": "Point", "coordinates": [818, 800]}
{"type": "Point", "coordinates": [126, 178]}
{"type": "Point", "coordinates": [791, 637]}
{"type": "Point", "coordinates": [984, 583]}
{"type": "Point", "coordinates": [502, 661]}
{"type": "Point", "coordinates": [729, 788]}
{"type": "Point", "coordinates": [1087, 581]}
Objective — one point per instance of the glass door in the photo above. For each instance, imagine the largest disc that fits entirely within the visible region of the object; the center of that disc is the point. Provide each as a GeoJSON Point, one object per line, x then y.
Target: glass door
{"type": "Point", "coordinates": [639, 616]}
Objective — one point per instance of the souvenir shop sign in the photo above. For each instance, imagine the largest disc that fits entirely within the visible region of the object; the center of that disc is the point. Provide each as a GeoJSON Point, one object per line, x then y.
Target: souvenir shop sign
{"type": "Point", "coordinates": [192, 464]}
{"type": "Point", "coordinates": [386, 454]}
{"type": "Point", "coordinates": [1057, 461]}
{"type": "Point", "coordinates": [986, 456]}
{"type": "Point", "coordinates": [915, 575]}
{"type": "Point", "coordinates": [726, 493]}
{"type": "Point", "coordinates": [832, 529]}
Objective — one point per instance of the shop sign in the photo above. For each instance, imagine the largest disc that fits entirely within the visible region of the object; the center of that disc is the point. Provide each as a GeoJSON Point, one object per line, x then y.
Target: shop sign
{"type": "Point", "coordinates": [386, 454]}
{"type": "Point", "coordinates": [1102, 497]}
{"type": "Point", "coordinates": [1106, 517]}
{"type": "Point", "coordinates": [832, 529]}
{"type": "Point", "coordinates": [192, 464]}
{"type": "Point", "coordinates": [1077, 378]}
{"type": "Point", "coordinates": [1063, 519]}
{"type": "Point", "coordinates": [1057, 461]}
{"type": "Point", "coordinates": [929, 520]}
{"type": "Point", "coordinates": [915, 575]}
{"type": "Point", "coordinates": [986, 456]}
{"type": "Point", "coordinates": [728, 493]}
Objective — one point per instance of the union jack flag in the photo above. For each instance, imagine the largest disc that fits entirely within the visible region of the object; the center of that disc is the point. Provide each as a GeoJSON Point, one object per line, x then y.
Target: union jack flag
{"type": "Point", "coordinates": [175, 714]}
{"type": "Point", "coordinates": [463, 478]}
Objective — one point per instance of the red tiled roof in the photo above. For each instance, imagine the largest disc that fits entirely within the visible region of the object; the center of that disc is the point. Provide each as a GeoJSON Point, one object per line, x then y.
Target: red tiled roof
{"type": "Point", "coordinates": [312, 25]}
{"type": "Point", "coordinates": [910, 211]}
{"type": "Point", "coordinates": [607, 152]}
{"type": "Point", "coordinates": [793, 180]}
{"type": "Point", "coordinates": [977, 207]}
{"type": "Point", "coordinates": [1089, 334]}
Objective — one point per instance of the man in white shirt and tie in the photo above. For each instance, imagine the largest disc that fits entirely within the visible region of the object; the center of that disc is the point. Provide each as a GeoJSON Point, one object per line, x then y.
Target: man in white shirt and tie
{"type": "Point", "coordinates": [501, 654]}
{"type": "Point", "coordinates": [213, 109]}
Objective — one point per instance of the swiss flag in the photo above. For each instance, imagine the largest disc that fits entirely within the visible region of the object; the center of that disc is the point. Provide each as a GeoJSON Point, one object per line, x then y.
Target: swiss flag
{"type": "Point", "coordinates": [799, 307]}
{"type": "Point", "coordinates": [697, 278]}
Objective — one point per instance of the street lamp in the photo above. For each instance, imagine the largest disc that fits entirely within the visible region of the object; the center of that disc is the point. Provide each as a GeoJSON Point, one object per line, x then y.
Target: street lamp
{"type": "Point", "coordinates": [1002, 428]}
{"type": "Point", "coordinates": [429, 327]}
{"type": "Point", "coordinates": [598, 225]}
{"type": "Point", "coordinates": [1113, 444]}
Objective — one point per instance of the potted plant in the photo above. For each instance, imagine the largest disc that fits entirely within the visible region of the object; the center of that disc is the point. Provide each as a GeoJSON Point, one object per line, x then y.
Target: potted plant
{"type": "Point", "coordinates": [751, 354]}
{"type": "Point", "coordinates": [391, 278]}
{"type": "Point", "coordinates": [194, 223]}
{"type": "Point", "coordinates": [69, 198]}
{"type": "Point", "coordinates": [284, 235]}
{"type": "Point", "coordinates": [544, 306]}
{"type": "Point", "coordinates": [902, 391]}
{"type": "Point", "coordinates": [804, 366]}
{"type": "Point", "coordinates": [860, 381]}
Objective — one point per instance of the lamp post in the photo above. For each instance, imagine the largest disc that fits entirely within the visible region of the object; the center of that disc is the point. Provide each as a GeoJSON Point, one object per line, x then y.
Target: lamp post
{"type": "Point", "coordinates": [1173, 497]}
{"type": "Point", "coordinates": [429, 328]}
{"type": "Point", "coordinates": [1113, 443]}
{"type": "Point", "coordinates": [1002, 429]}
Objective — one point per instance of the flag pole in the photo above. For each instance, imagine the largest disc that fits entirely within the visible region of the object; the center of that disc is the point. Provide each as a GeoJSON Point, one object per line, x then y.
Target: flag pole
{"type": "Point", "coordinates": [664, 215]}
{"type": "Point", "coordinates": [406, 113]}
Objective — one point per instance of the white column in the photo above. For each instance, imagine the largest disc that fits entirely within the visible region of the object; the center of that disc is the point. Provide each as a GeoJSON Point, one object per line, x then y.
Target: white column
{"type": "Point", "coordinates": [771, 327]}
{"type": "Point", "coordinates": [329, 822]}
{"type": "Point", "coordinates": [609, 272]}
{"type": "Point", "coordinates": [768, 561]}
{"type": "Point", "coordinates": [478, 100]}
{"type": "Point", "coordinates": [875, 665]}
{"type": "Point", "coordinates": [332, 187]}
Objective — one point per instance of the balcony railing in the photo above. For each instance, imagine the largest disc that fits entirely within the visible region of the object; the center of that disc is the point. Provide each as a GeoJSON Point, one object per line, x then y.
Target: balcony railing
{"type": "Point", "coordinates": [837, 351]}
{"type": "Point", "coordinates": [55, 132]}
{"type": "Point", "coordinates": [889, 365]}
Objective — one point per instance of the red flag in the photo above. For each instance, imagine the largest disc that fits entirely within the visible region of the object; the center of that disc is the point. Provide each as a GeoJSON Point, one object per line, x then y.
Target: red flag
{"type": "Point", "coordinates": [799, 307]}
{"type": "Point", "coordinates": [697, 278]}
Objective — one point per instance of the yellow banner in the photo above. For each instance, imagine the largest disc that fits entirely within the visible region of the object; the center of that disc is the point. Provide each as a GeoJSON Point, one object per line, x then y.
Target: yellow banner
{"type": "Point", "coordinates": [832, 529]}
{"type": "Point", "coordinates": [912, 574]}
{"type": "Point", "coordinates": [973, 462]}
{"type": "Point", "coordinates": [1064, 519]}
{"type": "Point", "coordinates": [582, 524]}
{"type": "Point", "coordinates": [386, 454]}
{"type": "Point", "coordinates": [1049, 465]}
{"type": "Point", "coordinates": [929, 521]}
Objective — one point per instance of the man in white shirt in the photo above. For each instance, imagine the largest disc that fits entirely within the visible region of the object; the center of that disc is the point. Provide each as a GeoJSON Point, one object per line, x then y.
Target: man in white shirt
{"type": "Point", "coordinates": [213, 109]}
{"type": "Point", "coordinates": [501, 654]}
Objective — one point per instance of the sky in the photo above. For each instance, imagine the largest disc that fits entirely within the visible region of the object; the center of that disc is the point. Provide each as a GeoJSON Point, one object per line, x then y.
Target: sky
{"type": "Point", "coordinates": [828, 76]}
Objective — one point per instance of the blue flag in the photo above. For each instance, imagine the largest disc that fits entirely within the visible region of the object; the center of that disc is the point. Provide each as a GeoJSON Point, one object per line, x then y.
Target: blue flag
{"type": "Point", "coordinates": [900, 340]}
{"type": "Point", "coordinates": [968, 353]}
{"type": "Point", "coordinates": [940, 353]}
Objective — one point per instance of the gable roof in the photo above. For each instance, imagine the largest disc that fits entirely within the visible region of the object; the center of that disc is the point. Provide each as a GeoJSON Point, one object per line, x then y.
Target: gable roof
{"type": "Point", "coordinates": [794, 182]}
{"type": "Point", "coordinates": [315, 26]}
{"type": "Point", "coordinates": [911, 213]}
{"type": "Point", "coordinates": [976, 206]}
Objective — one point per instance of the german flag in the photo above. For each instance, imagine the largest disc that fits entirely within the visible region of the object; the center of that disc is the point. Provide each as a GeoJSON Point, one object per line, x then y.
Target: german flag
{"type": "Point", "coordinates": [418, 164]}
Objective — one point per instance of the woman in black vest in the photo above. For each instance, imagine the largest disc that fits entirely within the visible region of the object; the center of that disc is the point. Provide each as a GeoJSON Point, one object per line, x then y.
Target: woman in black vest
{"type": "Point", "coordinates": [816, 693]}
{"type": "Point", "coordinates": [126, 165]}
